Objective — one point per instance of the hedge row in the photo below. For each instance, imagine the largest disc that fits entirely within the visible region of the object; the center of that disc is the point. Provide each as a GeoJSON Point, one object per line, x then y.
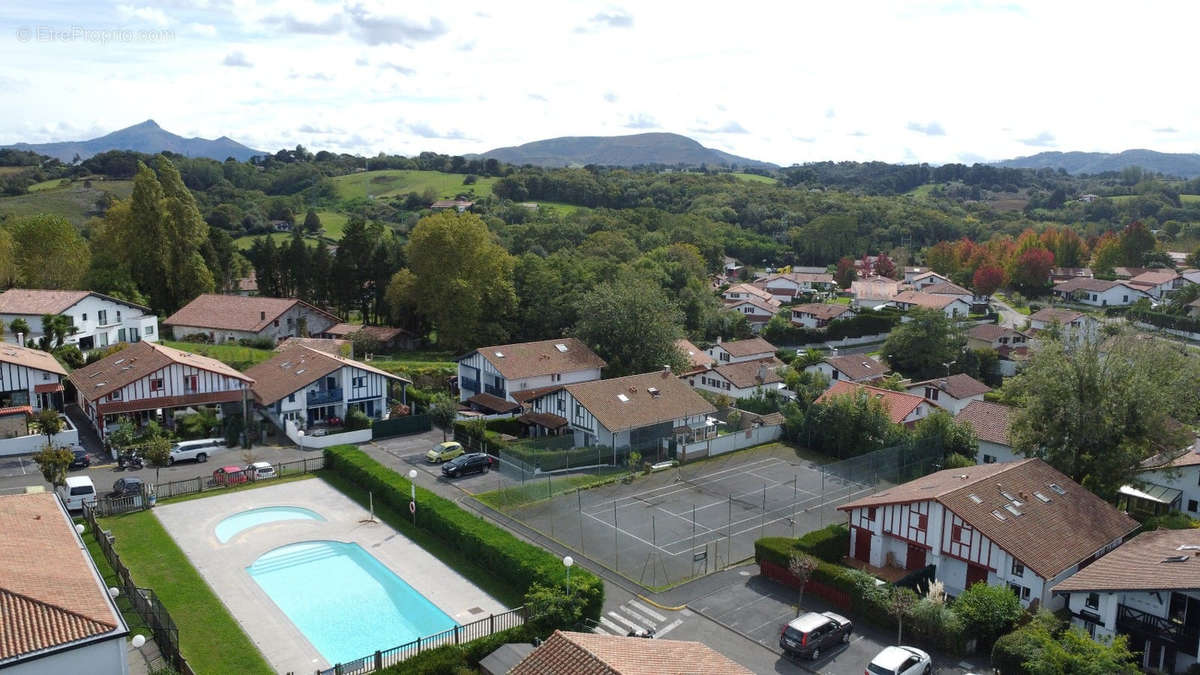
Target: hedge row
{"type": "Point", "coordinates": [517, 563]}
{"type": "Point", "coordinates": [867, 322]}
{"type": "Point", "coordinates": [451, 659]}
{"type": "Point", "coordinates": [830, 543]}
{"type": "Point", "coordinates": [1190, 324]}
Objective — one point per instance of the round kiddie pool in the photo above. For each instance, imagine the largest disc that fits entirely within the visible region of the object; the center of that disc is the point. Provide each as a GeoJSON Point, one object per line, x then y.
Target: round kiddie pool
{"type": "Point", "coordinates": [229, 527]}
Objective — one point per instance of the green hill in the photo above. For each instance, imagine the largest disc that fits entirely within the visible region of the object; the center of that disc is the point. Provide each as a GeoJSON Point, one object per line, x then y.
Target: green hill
{"type": "Point", "coordinates": [397, 182]}
{"type": "Point", "coordinates": [75, 202]}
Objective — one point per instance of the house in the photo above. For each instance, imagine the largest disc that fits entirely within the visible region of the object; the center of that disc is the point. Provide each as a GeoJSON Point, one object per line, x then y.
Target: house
{"type": "Point", "coordinates": [1099, 293]}
{"type": "Point", "coordinates": [758, 312]}
{"type": "Point", "coordinates": [1167, 483]}
{"type": "Point", "coordinates": [1148, 589]}
{"type": "Point", "coordinates": [390, 339]}
{"type": "Point", "coordinates": [903, 408]}
{"type": "Point", "coordinates": [30, 377]}
{"type": "Point", "coordinates": [1073, 326]}
{"type": "Point", "coordinates": [741, 379]}
{"type": "Point", "coordinates": [604, 654]}
{"type": "Point", "coordinates": [500, 370]}
{"type": "Point", "coordinates": [307, 386]}
{"type": "Point", "coordinates": [1129, 272]}
{"type": "Point", "coordinates": [246, 285]}
{"type": "Point", "coordinates": [643, 412]}
{"type": "Point", "coordinates": [739, 292]}
{"type": "Point", "coordinates": [925, 279]}
{"type": "Point", "coordinates": [1064, 273]}
{"type": "Point", "coordinates": [991, 422]}
{"type": "Point", "coordinates": [458, 205]}
{"type": "Point", "coordinates": [851, 368]}
{"type": "Point", "coordinates": [146, 380]}
{"type": "Point", "coordinates": [873, 292]}
{"type": "Point", "coordinates": [229, 318]}
{"type": "Point", "coordinates": [1159, 283]}
{"type": "Point", "coordinates": [911, 273]}
{"type": "Point", "coordinates": [951, 393]}
{"type": "Point", "coordinates": [950, 305]}
{"type": "Point", "coordinates": [732, 267]}
{"type": "Point", "coordinates": [995, 336]}
{"type": "Point", "coordinates": [818, 315]}
{"type": "Point", "coordinates": [57, 615]}
{"type": "Point", "coordinates": [698, 359]}
{"type": "Point", "coordinates": [99, 320]}
{"type": "Point", "coordinates": [732, 351]}
{"type": "Point", "coordinates": [1019, 524]}
{"type": "Point", "coordinates": [947, 288]}
{"type": "Point", "coordinates": [785, 287]}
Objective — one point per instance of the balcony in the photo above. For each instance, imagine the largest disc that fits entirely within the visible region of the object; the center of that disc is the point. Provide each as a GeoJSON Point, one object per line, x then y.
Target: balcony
{"type": "Point", "coordinates": [494, 390]}
{"type": "Point", "coordinates": [1185, 637]}
{"type": "Point", "coordinates": [324, 396]}
{"type": "Point", "coordinates": [468, 384]}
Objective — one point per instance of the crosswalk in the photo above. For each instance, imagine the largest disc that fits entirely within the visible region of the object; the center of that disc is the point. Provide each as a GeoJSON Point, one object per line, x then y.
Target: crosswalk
{"type": "Point", "coordinates": [637, 617]}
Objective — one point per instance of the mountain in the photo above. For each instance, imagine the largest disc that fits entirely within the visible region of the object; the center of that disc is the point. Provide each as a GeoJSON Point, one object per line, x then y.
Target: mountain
{"type": "Point", "coordinates": [668, 149]}
{"type": "Point", "coordinates": [146, 137]}
{"type": "Point", "coordinates": [1171, 164]}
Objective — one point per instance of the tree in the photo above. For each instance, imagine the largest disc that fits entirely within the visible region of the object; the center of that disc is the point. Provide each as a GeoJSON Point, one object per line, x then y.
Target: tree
{"type": "Point", "coordinates": [954, 437]}
{"type": "Point", "coordinates": [53, 463]}
{"type": "Point", "coordinates": [49, 423]}
{"type": "Point", "coordinates": [19, 327]}
{"type": "Point", "coordinates": [48, 252]}
{"type": "Point", "coordinates": [988, 279]}
{"type": "Point", "coordinates": [55, 328]}
{"type": "Point", "coordinates": [312, 223]}
{"type": "Point", "coordinates": [550, 609]}
{"type": "Point", "coordinates": [884, 266]}
{"type": "Point", "coordinates": [632, 325]}
{"type": "Point", "coordinates": [1096, 412]}
{"type": "Point", "coordinates": [901, 603]}
{"type": "Point", "coordinates": [1074, 652]}
{"type": "Point", "coordinates": [1106, 254]}
{"type": "Point", "coordinates": [1030, 270]}
{"type": "Point", "coordinates": [846, 273]}
{"type": "Point", "coordinates": [801, 566]}
{"type": "Point", "coordinates": [844, 425]}
{"type": "Point", "coordinates": [988, 611]}
{"type": "Point", "coordinates": [157, 450]}
{"type": "Point", "coordinates": [926, 346]}
{"type": "Point", "coordinates": [443, 410]}
{"type": "Point", "coordinates": [1136, 242]}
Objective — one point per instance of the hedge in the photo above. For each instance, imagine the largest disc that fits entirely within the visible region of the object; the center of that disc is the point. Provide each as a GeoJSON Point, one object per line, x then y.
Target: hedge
{"type": "Point", "coordinates": [449, 659]}
{"type": "Point", "coordinates": [866, 322]}
{"type": "Point", "coordinates": [516, 562]}
{"type": "Point", "coordinates": [830, 543]}
{"type": "Point", "coordinates": [1190, 324]}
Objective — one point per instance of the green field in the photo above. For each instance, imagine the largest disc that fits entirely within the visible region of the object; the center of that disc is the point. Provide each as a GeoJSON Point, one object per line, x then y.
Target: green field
{"type": "Point", "coordinates": [235, 356]}
{"type": "Point", "coordinates": [75, 202]}
{"type": "Point", "coordinates": [49, 184]}
{"type": "Point", "coordinates": [334, 223]}
{"type": "Point", "coordinates": [1190, 199]}
{"type": "Point", "coordinates": [755, 178]}
{"type": "Point", "coordinates": [922, 191]}
{"type": "Point", "coordinates": [280, 239]}
{"type": "Point", "coordinates": [395, 182]}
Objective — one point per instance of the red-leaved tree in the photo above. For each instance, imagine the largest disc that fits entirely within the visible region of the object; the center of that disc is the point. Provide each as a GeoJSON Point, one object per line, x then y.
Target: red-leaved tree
{"type": "Point", "coordinates": [884, 266]}
{"type": "Point", "coordinates": [845, 273]}
{"type": "Point", "coordinates": [1031, 269]}
{"type": "Point", "coordinates": [988, 279]}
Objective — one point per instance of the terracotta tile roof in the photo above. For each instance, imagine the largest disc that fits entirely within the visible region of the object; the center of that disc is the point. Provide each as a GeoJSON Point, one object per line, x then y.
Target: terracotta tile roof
{"type": "Point", "coordinates": [236, 312]}
{"type": "Point", "coordinates": [991, 332]}
{"type": "Point", "coordinates": [1070, 272]}
{"type": "Point", "coordinates": [1129, 272]}
{"type": "Point", "coordinates": [548, 420]}
{"type": "Point", "coordinates": [991, 421]}
{"type": "Point", "coordinates": [35, 302]}
{"type": "Point", "coordinates": [531, 359]}
{"type": "Point", "coordinates": [946, 288]}
{"type": "Point", "coordinates": [675, 400]}
{"type": "Point", "coordinates": [1156, 277]}
{"type": "Point", "coordinates": [525, 395]}
{"type": "Point", "coordinates": [745, 374]}
{"type": "Point", "coordinates": [698, 359]}
{"type": "Point", "coordinates": [752, 290]}
{"type": "Point", "coordinates": [1049, 536]}
{"type": "Point", "coordinates": [922, 299]}
{"type": "Point", "coordinates": [857, 367]}
{"type": "Point", "coordinates": [47, 388]}
{"type": "Point", "coordinates": [822, 311]}
{"type": "Point", "coordinates": [31, 358]}
{"type": "Point", "coordinates": [748, 347]}
{"type": "Point", "coordinates": [1189, 456]}
{"type": "Point", "coordinates": [383, 334]}
{"type": "Point", "coordinates": [16, 410]}
{"type": "Point", "coordinates": [771, 307]}
{"type": "Point", "coordinates": [1140, 565]}
{"type": "Point", "coordinates": [898, 403]}
{"type": "Point", "coordinates": [327, 345]}
{"type": "Point", "coordinates": [1097, 285]}
{"type": "Point", "coordinates": [928, 275]}
{"type": "Point", "coordinates": [50, 594]}
{"type": "Point", "coordinates": [493, 404]}
{"type": "Point", "coordinates": [137, 361]}
{"type": "Point", "coordinates": [959, 386]}
{"type": "Point", "coordinates": [1054, 314]}
{"type": "Point", "coordinates": [566, 653]}
{"type": "Point", "coordinates": [799, 278]}
{"type": "Point", "coordinates": [294, 369]}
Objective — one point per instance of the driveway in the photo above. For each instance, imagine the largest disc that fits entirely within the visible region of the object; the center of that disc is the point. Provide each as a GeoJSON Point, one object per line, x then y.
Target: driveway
{"type": "Point", "coordinates": [404, 453]}
{"type": "Point", "coordinates": [1009, 317]}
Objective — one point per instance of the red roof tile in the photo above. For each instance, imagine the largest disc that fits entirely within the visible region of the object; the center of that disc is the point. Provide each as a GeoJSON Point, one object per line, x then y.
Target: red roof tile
{"type": "Point", "coordinates": [1140, 564]}
{"type": "Point", "coordinates": [898, 403]}
{"type": "Point", "coordinates": [990, 421]}
{"type": "Point", "coordinates": [566, 653]}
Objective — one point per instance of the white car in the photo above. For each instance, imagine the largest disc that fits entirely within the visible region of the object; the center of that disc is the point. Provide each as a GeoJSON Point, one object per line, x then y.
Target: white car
{"type": "Point", "coordinates": [259, 470]}
{"type": "Point", "coordinates": [198, 450]}
{"type": "Point", "coordinates": [900, 661]}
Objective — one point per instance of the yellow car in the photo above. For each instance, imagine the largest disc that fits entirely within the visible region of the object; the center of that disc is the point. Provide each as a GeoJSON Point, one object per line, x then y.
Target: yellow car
{"type": "Point", "coordinates": [444, 451]}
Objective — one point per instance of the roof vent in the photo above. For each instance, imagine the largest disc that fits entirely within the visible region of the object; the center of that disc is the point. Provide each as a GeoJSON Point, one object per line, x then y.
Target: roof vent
{"type": "Point", "coordinates": [262, 316]}
{"type": "Point", "coordinates": [499, 355]}
{"type": "Point", "coordinates": [622, 398]}
{"type": "Point", "coordinates": [560, 347]}
{"type": "Point", "coordinates": [1177, 558]}
{"type": "Point", "coordinates": [975, 498]}
{"type": "Point", "coordinates": [653, 391]}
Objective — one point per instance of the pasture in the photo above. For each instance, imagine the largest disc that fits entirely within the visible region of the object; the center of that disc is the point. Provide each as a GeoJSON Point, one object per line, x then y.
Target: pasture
{"type": "Point", "coordinates": [74, 202]}
{"type": "Point", "coordinates": [398, 182]}
{"type": "Point", "coordinates": [755, 178]}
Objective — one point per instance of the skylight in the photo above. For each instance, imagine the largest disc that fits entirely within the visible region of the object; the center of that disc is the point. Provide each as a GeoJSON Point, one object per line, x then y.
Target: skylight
{"type": "Point", "coordinates": [1178, 558]}
{"type": "Point", "coordinates": [1008, 496]}
{"type": "Point", "coordinates": [118, 361]}
{"type": "Point", "coordinates": [975, 498]}
{"type": "Point", "coordinates": [1042, 497]}
{"type": "Point", "coordinates": [1058, 488]}
{"type": "Point", "coordinates": [623, 398]}
{"type": "Point", "coordinates": [560, 347]}
{"type": "Point", "coordinates": [1012, 509]}
{"type": "Point", "coordinates": [499, 355]}
{"type": "Point", "coordinates": [998, 515]}
{"type": "Point", "coordinates": [300, 372]}
{"type": "Point", "coordinates": [1188, 547]}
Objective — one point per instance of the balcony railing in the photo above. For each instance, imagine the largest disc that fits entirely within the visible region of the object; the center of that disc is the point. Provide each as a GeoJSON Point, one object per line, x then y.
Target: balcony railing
{"type": "Point", "coordinates": [468, 384]}
{"type": "Point", "coordinates": [494, 390]}
{"type": "Point", "coordinates": [325, 396]}
{"type": "Point", "coordinates": [1185, 637]}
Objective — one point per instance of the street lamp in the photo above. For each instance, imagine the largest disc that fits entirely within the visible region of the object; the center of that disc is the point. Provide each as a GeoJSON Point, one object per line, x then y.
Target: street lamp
{"type": "Point", "coordinates": [948, 367]}
{"type": "Point", "coordinates": [79, 528]}
{"type": "Point", "coordinates": [113, 592]}
{"type": "Point", "coordinates": [567, 562]}
{"type": "Point", "coordinates": [300, 435]}
{"type": "Point", "coordinates": [412, 484]}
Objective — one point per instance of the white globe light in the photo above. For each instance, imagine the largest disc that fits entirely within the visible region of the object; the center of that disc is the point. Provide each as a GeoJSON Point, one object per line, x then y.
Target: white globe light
{"type": "Point", "coordinates": [79, 528]}
{"type": "Point", "coordinates": [113, 591]}
{"type": "Point", "coordinates": [138, 641]}
{"type": "Point", "coordinates": [412, 473]}
{"type": "Point", "coordinates": [568, 561]}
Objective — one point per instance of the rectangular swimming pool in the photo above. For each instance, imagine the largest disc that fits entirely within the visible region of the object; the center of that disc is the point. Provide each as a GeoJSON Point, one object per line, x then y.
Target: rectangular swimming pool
{"type": "Point", "coordinates": [347, 603]}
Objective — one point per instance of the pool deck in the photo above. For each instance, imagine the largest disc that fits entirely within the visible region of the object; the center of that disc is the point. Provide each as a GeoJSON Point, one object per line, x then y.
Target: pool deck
{"type": "Point", "coordinates": [223, 566]}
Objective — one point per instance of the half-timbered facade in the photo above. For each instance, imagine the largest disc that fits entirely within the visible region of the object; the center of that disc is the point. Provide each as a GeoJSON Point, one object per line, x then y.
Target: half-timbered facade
{"type": "Point", "coordinates": [229, 318]}
{"type": "Point", "coordinates": [148, 381]}
{"type": "Point", "coordinates": [30, 377]}
{"type": "Point", "coordinates": [1021, 524]}
{"type": "Point", "coordinates": [501, 370]}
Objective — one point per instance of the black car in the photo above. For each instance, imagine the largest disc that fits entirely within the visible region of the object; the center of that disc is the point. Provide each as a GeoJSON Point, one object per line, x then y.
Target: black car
{"type": "Point", "coordinates": [810, 634]}
{"type": "Point", "coordinates": [80, 459]}
{"type": "Point", "coordinates": [126, 487]}
{"type": "Point", "coordinates": [475, 462]}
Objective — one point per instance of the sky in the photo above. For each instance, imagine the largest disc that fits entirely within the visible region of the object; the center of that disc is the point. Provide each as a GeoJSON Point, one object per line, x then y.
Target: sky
{"type": "Point", "coordinates": [785, 82]}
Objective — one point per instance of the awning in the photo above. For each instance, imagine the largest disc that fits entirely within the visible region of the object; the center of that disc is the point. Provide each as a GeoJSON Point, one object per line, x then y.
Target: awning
{"type": "Point", "coordinates": [1152, 493]}
{"type": "Point", "coordinates": [493, 404]}
{"type": "Point", "coordinates": [16, 410]}
{"type": "Point", "coordinates": [48, 388]}
{"type": "Point", "coordinates": [547, 420]}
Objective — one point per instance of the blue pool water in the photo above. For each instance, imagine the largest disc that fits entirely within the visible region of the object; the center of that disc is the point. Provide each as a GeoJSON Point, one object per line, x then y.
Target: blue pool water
{"type": "Point", "coordinates": [245, 520]}
{"type": "Point", "coordinates": [347, 603]}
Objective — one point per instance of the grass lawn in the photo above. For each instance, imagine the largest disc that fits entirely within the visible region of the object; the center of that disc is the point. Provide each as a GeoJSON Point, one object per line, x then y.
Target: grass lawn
{"type": "Point", "coordinates": [1020, 310]}
{"type": "Point", "coordinates": [209, 637]}
{"type": "Point", "coordinates": [755, 178]}
{"type": "Point", "coordinates": [235, 356]}
{"type": "Point", "coordinates": [1190, 199]}
{"type": "Point", "coordinates": [132, 618]}
{"type": "Point", "coordinates": [280, 239]}
{"type": "Point", "coordinates": [922, 191]}
{"type": "Point", "coordinates": [334, 223]}
{"type": "Point", "coordinates": [75, 202]}
{"type": "Point", "coordinates": [49, 184]}
{"type": "Point", "coordinates": [392, 182]}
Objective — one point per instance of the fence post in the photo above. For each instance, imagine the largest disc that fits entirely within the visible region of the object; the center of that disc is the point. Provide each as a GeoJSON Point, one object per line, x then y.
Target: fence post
{"type": "Point", "coordinates": [491, 624]}
{"type": "Point", "coordinates": [378, 660]}
{"type": "Point", "coordinates": [418, 644]}
{"type": "Point", "coordinates": [455, 633]}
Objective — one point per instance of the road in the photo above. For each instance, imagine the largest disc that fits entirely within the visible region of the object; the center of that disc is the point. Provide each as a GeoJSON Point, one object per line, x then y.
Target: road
{"type": "Point", "coordinates": [1009, 317]}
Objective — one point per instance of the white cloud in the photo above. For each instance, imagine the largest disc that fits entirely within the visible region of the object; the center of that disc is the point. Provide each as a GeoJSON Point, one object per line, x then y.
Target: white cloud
{"type": "Point", "coordinates": [929, 129]}
{"type": "Point", "coordinates": [151, 15]}
{"type": "Point", "coordinates": [237, 59]}
{"type": "Point", "coordinates": [641, 121]}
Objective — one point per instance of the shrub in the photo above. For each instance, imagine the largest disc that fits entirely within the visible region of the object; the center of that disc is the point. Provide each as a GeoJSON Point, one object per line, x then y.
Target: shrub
{"type": "Point", "coordinates": [957, 461]}
{"type": "Point", "coordinates": [257, 343]}
{"type": "Point", "coordinates": [988, 611]}
{"type": "Point", "coordinates": [198, 338]}
{"type": "Point", "coordinates": [829, 543]}
{"type": "Point", "coordinates": [452, 658]}
{"type": "Point", "coordinates": [357, 419]}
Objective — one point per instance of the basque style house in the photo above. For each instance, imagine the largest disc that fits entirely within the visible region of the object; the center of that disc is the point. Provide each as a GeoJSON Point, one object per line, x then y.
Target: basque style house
{"type": "Point", "coordinates": [146, 380]}
{"type": "Point", "coordinates": [991, 422]}
{"type": "Point", "coordinates": [818, 315]}
{"type": "Point", "coordinates": [229, 318]}
{"type": "Point", "coordinates": [1159, 283]}
{"type": "Point", "coordinates": [1167, 483]}
{"type": "Point", "coordinates": [742, 379]}
{"type": "Point", "coordinates": [1074, 326]}
{"type": "Point", "coordinates": [1148, 589]}
{"type": "Point", "coordinates": [1011, 346]}
{"type": "Point", "coordinates": [57, 614]}
{"type": "Point", "coordinates": [950, 305]}
{"type": "Point", "coordinates": [30, 378]}
{"type": "Point", "coordinates": [1099, 293]}
{"type": "Point", "coordinates": [1020, 524]}
{"type": "Point", "coordinates": [852, 368]}
{"type": "Point", "coordinates": [307, 386]}
{"type": "Point", "coordinates": [698, 359]}
{"type": "Point", "coordinates": [99, 320]}
{"type": "Point", "coordinates": [951, 393]}
{"type": "Point", "coordinates": [902, 408]}
{"type": "Point", "coordinates": [388, 338]}
{"type": "Point", "coordinates": [733, 351]}
{"type": "Point", "coordinates": [602, 653]}
{"type": "Point", "coordinates": [786, 287]}
{"type": "Point", "coordinates": [739, 292]}
{"type": "Point", "coordinates": [490, 376]}
{"type": "Point", "coordinates": [758, 312]}
{"type": "Point", "coordinates": [642, 412]}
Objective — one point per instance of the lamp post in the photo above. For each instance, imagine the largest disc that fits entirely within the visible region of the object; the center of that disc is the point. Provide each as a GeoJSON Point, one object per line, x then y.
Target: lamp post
{"type": "Point", "coordinates": [948, 367]}
{"type": "Point", "coordinates": [79, 528]}
{"type": "Point", "coordinates": [567, 562]}
{"type": "Point", "coordinates": [300, 435]}
{"type": "Point", "coordinates": [113, 592]}
{"type": "Point", "coordinates": [412, 505]}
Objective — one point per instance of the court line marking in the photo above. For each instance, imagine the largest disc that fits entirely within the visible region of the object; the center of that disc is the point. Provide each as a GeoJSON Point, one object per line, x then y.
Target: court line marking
{"type": "Point", "coordinates": [675, 486]}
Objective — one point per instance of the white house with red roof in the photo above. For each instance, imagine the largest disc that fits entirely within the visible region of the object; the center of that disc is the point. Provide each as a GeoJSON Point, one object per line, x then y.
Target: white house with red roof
{"type": "Point", "coordinates": [499, 371]}
{"type": "Point", "coordinates": [1019, 524]}
{"type": "Point", "coordinates": [950, 305]}
{"type": "Point", "coordinates": [817, 315]}
{"type": "Point", "coordinates": [229, 318]}
{"type": "Point", "coordinates": [1159, 283]}
{"type": "Point", "coordinates": [903, 408]}
{"type": "Point", "coordinates": [1168, 482]}
{"type": "Point", "coordinates": [849, 368]}
{"type": "Point", "coordinates": [951, 393]}
{"type": "Point", "coordinates": [758, 312]}
{"type": "Point", "coordinates": [99, 320]}
{"type": "Point", "coordinates": [741, 379]}
{"type": "Point", "coordinates": [733, 351]}
{"type": "Point", "coordinates": [991, 423]}
{"type": "Point", "coordinates": [785, 287]}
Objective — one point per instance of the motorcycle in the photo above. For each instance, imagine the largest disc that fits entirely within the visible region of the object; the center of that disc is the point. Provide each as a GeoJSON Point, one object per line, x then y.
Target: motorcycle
{"type": "Point", "coordinates": [129, 461]}
{"type": "Point", "coordinates": [649, 634]}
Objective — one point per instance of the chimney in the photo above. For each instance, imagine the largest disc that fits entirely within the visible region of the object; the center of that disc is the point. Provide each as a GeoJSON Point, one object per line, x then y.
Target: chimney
{"type": "Point", "coordinates": [21, 339]}
{"type": "Point", "coordinates": [262, 316]}
{"type": "Point", "coordinates": [718, 339]}
{"type": "Point", "coordinates": [762, 373]}
{"type": "Point", "coordinates": [833, 351]}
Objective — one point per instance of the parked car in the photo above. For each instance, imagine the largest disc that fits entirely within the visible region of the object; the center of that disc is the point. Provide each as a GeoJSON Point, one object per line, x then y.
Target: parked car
{"type": "Point", "coordinates": [229, 475]}
{"type": "Point", "coordinates": [76, 491]}
{"type": "Point", "coordinates": [475, 462]}
{"type": "Point", "coordinates": [80, 459]}
{"type": "Point", "coordinates": [444, 452]}
{"type": "Point", "coordinates": [195, 450]}
{"type": "Point", "coordinates": [810, 634]}
{"type": "Point", "coordinates": [900, 661]}
{"type": "Point", "coordinates": [126, 487]}
{"type": "Point", "coordinates": [259, 470]}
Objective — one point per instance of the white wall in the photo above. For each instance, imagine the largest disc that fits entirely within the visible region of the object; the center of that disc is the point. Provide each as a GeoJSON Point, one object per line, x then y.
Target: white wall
{"type": "Point", "coordinates": [586, 375]}
{"type": "Point", "coordinates": [309, 442]}
{"type": "Point", "coordinates": [1002, 453]}
{"type": "Point", "coordinates": [99, 658]}
{"type": "Point", "coordinates": [1187, 480]}
{"type": "Point", "coordinates": [729, 442]}
{"type": "Point", "coordinates": [24, 445]}
{"type": "Point", "coordinates": [85, 314]}
{"type": "Point", "coordinates": [316, 323]}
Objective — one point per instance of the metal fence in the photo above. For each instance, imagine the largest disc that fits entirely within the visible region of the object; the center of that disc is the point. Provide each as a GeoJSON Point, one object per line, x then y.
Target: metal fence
{"type": "Point", "coordinates": [481, 628]}
{"type": "Point", "coordinates": [400, 426]}
{"type": "Point", "coordinates": [143, 600]}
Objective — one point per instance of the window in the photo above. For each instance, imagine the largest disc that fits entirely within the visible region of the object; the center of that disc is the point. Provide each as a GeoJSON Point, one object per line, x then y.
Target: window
{"type": "Point", "coordinates": [292, 397]}
{"type": "Point", "coordinates": [118, 316]}
{"type": "Point", "coordinates": [562, 405]}
{"type": "Point", "coordinates": [871, 513]}
{"type": "Point", "coordinates": [102, 317]}
{"type": "Point", "coordinates": [156, 384]}
{"type": "Point", "coordinates": [921, 522]}
{"type": "Point", "coordinates": [121, 335]}
{"type": "Point", "coordinates": [150, 329]}
{"type": "Point", "coordinates": [931, 393]}
{"type": "Point", "coordinates": [960, 534]}
{"type": "Point", "coordinates": [835, 375]}
{"type": "Point", "coordinates": [115, 396]}
{"type": "Point", "coordinates": [83, 317]}
{"type": "Point", "coordinates": [1021, 592]}
{"type": "Point", "coordinates": [989, 459]}
{"type": "Point", "coordinates": [724, 356]}
{"type": "Point", "coordinates": [360, 381]}
{"type": "Point", "coordinates": [1092, 601]}
{"type": "Point", "coordinates": [277, 323]}
{"type": "Point", "coordinates": [191, 382]}
{"type": "Point", "coordinates": [1192, 505]}
{"type": "Point", "coordinates": [1018, 570]}
{"type": "Point", "coordinates": [556, 377]}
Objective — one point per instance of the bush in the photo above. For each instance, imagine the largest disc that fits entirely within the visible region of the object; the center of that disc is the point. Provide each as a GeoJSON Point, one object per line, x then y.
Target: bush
{"type": "Point", "coordinates": [198, 338]}
{"type": "Point", "coordinates": [357, 419]}
{"type": "Point", "coordinates": [1170, 521]}
{"type": "Point", "coordinates": [830, 543]}
{"type": "Point", "coordinates": [70, 356]}
{"type": "Point", "coordinates": [257, 343]}
{"type": "Point", "coordinates": [957, 461]}
{"type": "Point", "coordinates": [453, 658]}
{"type": "Point", "coordinates": [988, 611]}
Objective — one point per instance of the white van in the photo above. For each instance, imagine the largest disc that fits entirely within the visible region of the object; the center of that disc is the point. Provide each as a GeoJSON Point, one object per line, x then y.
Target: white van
{"type": "Point", "coordinates": [197, 450]}
{"type": "Point", "coordinates": [79, 489]}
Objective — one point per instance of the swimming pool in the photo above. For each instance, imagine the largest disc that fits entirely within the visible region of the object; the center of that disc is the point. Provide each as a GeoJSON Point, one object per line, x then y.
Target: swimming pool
{"type": "Point", "coordinates": [347, 603]}
{"type": "Point", "coordinates": [245, 520]}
